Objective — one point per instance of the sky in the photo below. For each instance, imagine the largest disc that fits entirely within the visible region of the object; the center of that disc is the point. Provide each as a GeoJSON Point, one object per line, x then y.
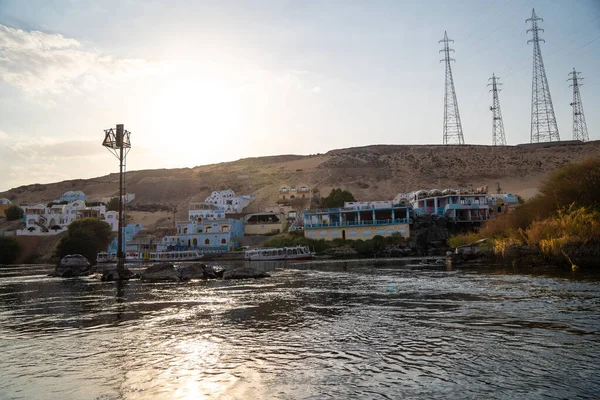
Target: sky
{"type": "Point", "coordinates": [200, 82]}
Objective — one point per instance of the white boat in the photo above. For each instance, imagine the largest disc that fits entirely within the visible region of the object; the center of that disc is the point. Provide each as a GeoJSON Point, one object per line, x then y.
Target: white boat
{"type": "Point", "coordinates": [184, 255]}
{"type": "Point", "coordinates": [137, 257]}
{"type": "Point", "coordinates": [279, 253]}
{"type": "Point", "coordinates": [104, 257]}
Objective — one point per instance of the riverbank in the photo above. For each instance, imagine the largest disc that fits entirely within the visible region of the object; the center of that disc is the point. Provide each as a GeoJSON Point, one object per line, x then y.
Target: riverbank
{"type": "Point", "coordinates": [560, 225]}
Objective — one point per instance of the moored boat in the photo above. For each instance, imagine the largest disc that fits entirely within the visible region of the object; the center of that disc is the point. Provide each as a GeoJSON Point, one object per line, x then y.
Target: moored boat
{"type": "Point", "coordinates": [104, 257]}
{"type": "Point", "coordinates": [137, 257]}
{"type": "Point", "coordinates": [279, 253]}
{"type": "Point", "coordinates": [184, 255]}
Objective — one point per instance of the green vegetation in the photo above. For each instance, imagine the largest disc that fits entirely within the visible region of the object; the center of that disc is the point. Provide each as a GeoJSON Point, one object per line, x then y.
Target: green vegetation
{"type": "Point", "coordinates": [336, 198]}
{"type": "Point", "coordinates": [87, 237]}
{"type": "Point", "coordinates": [113, 204]}
{"type": "Point", "coordinates": [562, 222]}
{"type": "Point", "coordinates": [14, 213]}
{"type": "Point", "coordinates": [365, 248]}
{"type": "Point", "coordinates": [9, 249]}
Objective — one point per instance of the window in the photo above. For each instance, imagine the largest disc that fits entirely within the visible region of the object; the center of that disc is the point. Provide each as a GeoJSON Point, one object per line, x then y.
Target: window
{"type": "Point", "coordinates": [208, 229]}
{"type": "Point", "coordinates": [225, 228]}
{"type": "Point", "coordinates": [283, 190]}
{"type": "Point", "coordinates": [195, 242]}
{"type": "Point", "coordinates": [223, 241]}
{"type": "Point", "coordinates": [207, 242]}
{"type": "Point", "coordinates": [303, 189]}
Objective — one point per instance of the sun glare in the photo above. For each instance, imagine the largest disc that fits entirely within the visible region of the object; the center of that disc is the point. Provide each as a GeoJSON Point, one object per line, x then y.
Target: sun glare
{"type": "Point", "coordinates": [197, 110]}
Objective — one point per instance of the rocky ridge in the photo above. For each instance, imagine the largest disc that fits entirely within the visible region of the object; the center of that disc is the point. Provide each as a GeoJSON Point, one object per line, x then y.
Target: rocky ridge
{"type": "Point", "coordinates": [376, 172]}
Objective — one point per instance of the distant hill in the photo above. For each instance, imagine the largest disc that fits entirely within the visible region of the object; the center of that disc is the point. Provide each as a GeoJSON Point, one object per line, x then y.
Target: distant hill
{"type": "Point", "coordinates": [376, 172]}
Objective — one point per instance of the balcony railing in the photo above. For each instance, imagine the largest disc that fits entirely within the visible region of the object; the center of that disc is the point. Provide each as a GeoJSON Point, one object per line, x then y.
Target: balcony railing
{"type": "Point", "coordinates": [374, 222]}
{"type": "Point", "coordinates": [350, 209]}
{"type": "Point", "coordinates": [464, 218]}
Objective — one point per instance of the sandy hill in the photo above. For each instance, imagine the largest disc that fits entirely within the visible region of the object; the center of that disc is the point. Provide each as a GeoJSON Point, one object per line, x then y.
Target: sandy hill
{"type": "Point", "coordinates": [376, 172]}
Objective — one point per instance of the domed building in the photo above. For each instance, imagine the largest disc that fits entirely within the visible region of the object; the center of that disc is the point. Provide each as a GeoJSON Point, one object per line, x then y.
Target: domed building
{"type": "Point", "coordinates": [4, 204]}
{"type": "Point", "coordinates": [72, 196]}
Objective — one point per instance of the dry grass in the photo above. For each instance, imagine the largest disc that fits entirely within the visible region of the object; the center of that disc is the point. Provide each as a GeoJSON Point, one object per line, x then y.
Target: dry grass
{"type": "Point", "coordinates": [564, 216]}
{"type": "Point", "coordinates": [553, 236]}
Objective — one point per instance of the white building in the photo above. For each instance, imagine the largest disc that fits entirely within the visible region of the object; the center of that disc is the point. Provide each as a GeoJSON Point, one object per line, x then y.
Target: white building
{"type": "Point", "coordinates": [228, 201]}
{"type": "Point", "coordinates": [112, 218]}
{"type": "Point", "coordinates": [43, 220]}
{"type": "Point", "coordinates": [199, 212]}
{"type": "Point", "coordinates": [127, 198]}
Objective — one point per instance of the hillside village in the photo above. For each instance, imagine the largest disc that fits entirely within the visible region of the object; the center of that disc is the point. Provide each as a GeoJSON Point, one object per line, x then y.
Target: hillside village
{"type": "Point", "coordinates": [166, 209]}
{"type": "Point", "coordinates": [219, 223]}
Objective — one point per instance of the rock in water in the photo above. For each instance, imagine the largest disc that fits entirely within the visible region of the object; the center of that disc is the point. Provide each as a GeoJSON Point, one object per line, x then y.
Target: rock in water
{"type": "Point", "coordinates": [244, 273]}
{"type": "Point", "coordinates": [192, 271]}
{"type": "Point", "coordinates": [73, 265]}
{"type": "Point", "coordinates": [161, 272]}
{"type": "Point", "coordinates": [111, 273]}
{"type": "Point", "coordinates": [210, 272]}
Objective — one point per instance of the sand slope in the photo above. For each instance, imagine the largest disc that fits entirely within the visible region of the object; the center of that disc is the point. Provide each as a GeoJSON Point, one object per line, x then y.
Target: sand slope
{"type": "Point", "coordinates": [371, 173]}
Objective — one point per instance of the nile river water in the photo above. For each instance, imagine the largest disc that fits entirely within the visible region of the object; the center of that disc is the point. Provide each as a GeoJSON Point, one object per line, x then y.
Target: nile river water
{"type": "Point", "coordinates": [346, 330]}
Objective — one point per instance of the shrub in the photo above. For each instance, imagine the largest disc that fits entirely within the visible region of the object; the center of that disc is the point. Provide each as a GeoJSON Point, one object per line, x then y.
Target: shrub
{"type": "Point", "coordinates": [14, 213]}
{"type": "Point", "coordinates": [554, 212]}
{"type": "Point", "coordinates": [336, 198]}
{"type": "Point", "coordinates": [571, 225]}
{"type": "Point", "coordinates": [87, 237]}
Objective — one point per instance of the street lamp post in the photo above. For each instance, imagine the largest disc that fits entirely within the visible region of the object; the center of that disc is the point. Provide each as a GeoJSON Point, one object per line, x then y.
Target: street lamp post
{"type": "Point", "coordinates": [118, 143]}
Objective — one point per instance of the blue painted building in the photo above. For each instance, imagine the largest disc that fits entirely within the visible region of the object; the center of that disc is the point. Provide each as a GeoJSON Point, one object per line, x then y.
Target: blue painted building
{"type": "Point", "coordinates": [206, 235]}
{"type": "Point", "coordinates": [72, 196]}
{"type": "Point", "coordinates": [129, 232]}
{"type": "Point", "coordinates": [358, 220]}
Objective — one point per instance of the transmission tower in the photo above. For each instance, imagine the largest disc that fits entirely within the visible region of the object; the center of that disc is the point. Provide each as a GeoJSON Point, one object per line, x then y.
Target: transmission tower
{"type": "Point", "coordinates": [580, 131]}
{"type": "Point", "coordinates": [543, 121]}
{"type": "Point", "coordinates": [453, 133]}
{"type": "Point", "coordinates": [498, 138]}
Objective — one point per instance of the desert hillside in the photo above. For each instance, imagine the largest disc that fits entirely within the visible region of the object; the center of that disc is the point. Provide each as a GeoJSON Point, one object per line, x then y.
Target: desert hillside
{"type": "Point", "coordinates": [370, 173]}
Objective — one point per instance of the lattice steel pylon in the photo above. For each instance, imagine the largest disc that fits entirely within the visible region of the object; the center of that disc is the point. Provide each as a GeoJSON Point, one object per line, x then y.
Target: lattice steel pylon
{"type": "Point", "coordinates": [498, 138]}
{"type": "Point", "coordinates": [580, 131]}
{"type": "Point", "coordinates": [453, 133]}
{"type": "Point", "coordinates": [543, 120]}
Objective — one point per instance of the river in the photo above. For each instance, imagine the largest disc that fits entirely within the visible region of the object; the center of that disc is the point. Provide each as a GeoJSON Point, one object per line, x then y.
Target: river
{"type": "Point", "coordinates": [338, 330]}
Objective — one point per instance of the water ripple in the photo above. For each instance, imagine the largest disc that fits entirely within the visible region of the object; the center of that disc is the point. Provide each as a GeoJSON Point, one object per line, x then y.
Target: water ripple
{"type": "Point", "coordinates": [317, 330]}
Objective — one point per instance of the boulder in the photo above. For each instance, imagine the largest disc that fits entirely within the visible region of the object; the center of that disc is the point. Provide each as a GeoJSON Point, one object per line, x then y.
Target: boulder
{"type": "Point", "coordinates": [73, 265]}
{"type": "Point", "coordinates": [192, 271]}
{"type": "Point", "coordinates": [244, 273]}
{"type": "Point", "coordinates": [161, 272]}
{"type": "Point", "coordinates": [211, 272]}
{"type": "Point", "coordinates": [198, 271]}
{"type": "Point", "coordinates": [110, 273]}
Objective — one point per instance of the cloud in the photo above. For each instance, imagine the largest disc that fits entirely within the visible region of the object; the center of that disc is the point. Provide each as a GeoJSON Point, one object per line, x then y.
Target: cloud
{"type": "Point", "coordinates": [39, 63]}
{"type": "Point", "coordinates": [18, 175]}
{"type": "Point", "coordinates": [48, 149]}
